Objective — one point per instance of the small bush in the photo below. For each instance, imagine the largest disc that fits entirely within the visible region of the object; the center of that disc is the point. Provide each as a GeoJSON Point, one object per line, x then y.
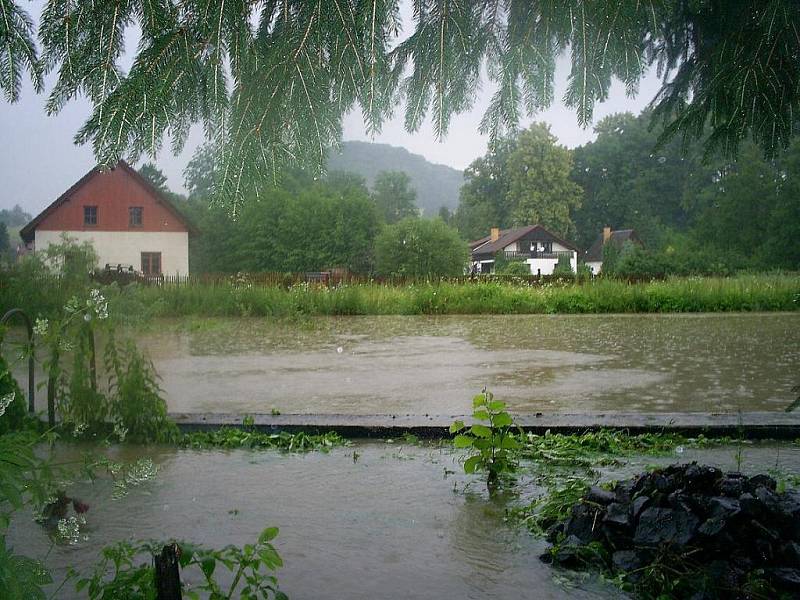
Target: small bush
{"type": "Point", "coordinates": [12, 399]}
{"type": "Point", "coordinates": [515, 268]}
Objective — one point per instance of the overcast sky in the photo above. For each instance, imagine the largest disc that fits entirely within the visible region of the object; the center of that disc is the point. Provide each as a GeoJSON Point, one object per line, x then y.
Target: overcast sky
{"type": "Point", "coordinates": [38, 159]}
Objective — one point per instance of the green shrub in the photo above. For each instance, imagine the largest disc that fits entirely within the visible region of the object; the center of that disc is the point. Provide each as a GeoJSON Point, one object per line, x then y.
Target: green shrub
{"type": "Point", "coordinates": [136, 403]}
{"type": "Point", "coordinates": [12, 400]}
{"type": "Point", "coordinates": [420, 248]}
{"type": "Point", "coordinates": [563, 267]}
{"type": "Point", "coordinates": [515, 268]}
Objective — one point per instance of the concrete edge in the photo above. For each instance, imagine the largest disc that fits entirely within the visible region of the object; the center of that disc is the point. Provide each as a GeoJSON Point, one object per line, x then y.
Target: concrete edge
{"type": "Point", "coordinates": [751, 425]}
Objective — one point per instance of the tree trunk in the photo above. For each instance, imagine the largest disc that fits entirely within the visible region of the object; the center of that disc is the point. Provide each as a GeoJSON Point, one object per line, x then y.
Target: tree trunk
{"type": "Point", "coordinates": [168, 577]}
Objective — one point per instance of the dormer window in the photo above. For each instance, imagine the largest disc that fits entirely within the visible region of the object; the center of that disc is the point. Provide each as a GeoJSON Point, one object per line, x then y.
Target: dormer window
{"type": "Point", "coordinates": [135, 214]}
{"type": "Point", "coordinates": [90, 215]}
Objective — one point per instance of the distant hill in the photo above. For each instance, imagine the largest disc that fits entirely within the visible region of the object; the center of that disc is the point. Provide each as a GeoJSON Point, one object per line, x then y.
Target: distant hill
{"type": "Point", "coordinates": [436, 185]}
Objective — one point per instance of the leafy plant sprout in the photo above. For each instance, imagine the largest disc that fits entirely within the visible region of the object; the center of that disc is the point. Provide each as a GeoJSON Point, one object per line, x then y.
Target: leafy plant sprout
{"type": "Point", "coordinates": [492, 440]}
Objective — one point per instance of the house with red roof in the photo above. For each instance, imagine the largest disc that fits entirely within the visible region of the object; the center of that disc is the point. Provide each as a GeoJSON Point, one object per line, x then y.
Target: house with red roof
{"type": "Point", "coordinates": [128, 221]}
{"type": "Point", "coordinates": [534, 245]}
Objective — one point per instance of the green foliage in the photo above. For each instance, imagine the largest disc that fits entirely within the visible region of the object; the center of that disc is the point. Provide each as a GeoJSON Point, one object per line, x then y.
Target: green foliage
{"type": "Point", "coordinates": [246, 437]}
{"type": "Point", "coordinates": [21, 577]}
{"type": "Point", "coordinates": [139, 411]}
{"type": "Point", "coordinates": [316, 226]}
{"type": "Point", "coordinates": [522, 180]}
{"type": "Point", "coordinates": [420, 248]}
{"type": "Point", "coordinates": [394, 196]}
{"type": "Point", "coordinates": [273, 81]}
{"type": "Point", "coordinates": [630, 184]}
{"type": "Point", "coordinates": [125, 570]}
{"type": "Point", "coordinates": [12, 400]}
{"type": "Point", "coordinates": [483, 203]}
{"type": "Point", "coordinates": [515, 268]}
{"type": "Point", "coordinates": [563, 266]}
{"type": "Point", "coordinates": [14, 217]}
{"type": "Point", "coordinates": [694, 217]}
{"type": "Point", "coordinates": [5, 243]}
{"type": "Point", "coordinates": [495, 295]}
{"type": "Point", "coordinates": [154, 175]}
{"type": "Point", "coordinates": [491, 442]}
{"type": "Point", "coordinates": [540, 189]}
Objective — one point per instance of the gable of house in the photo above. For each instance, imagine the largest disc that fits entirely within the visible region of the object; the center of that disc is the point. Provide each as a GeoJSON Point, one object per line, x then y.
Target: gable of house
{"type": "Point", "coordinates": [112, 193]}
{"type": "Point", "coordinates": [128, 221]}
{"type": "Point", "coordinates": [516, 240]}
{"type": "Point", "coordinates": [618, 237]}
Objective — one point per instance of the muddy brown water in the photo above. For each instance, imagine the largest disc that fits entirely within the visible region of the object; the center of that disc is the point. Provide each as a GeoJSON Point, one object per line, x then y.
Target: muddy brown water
{"type": "Point", "coordinates": [434, 365]}
{"type": "Point", "coordinates": [392, 524]}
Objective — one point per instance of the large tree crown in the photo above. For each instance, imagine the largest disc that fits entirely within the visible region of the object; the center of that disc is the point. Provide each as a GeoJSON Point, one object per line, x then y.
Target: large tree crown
{"type": "Point", "coordinates": [270, 81]}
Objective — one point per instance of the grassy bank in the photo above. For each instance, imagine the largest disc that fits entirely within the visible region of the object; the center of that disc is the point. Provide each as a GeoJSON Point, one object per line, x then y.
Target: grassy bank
{"type": "Point", "coordinates": [743, 293]}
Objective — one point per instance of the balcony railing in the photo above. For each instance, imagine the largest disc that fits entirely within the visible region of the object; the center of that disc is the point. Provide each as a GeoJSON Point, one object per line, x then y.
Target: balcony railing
{"type": "Point", "coordinates": [513, 254]}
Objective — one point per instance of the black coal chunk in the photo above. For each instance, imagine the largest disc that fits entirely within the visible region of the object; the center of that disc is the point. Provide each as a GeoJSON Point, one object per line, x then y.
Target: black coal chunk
{"type": "Point", "coordinates": [730, 528]}
{"type": "Point", "coordinates": [665, 526]}
{"type": "Point", "coordinates": [600, 496]}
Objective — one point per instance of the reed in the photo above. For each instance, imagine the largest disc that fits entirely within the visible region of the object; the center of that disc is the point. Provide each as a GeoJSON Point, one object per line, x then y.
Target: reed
{"type": "Point", "coordinates": [741, 293]}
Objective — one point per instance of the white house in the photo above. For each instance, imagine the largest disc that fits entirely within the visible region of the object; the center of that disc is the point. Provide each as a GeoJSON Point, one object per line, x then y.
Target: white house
{"type": "Point", "coordinates": [128, 221]}
{"type": "Point", "coordinates": [594, 255]}
{"type": "Point", "coordinates": [533, 244]}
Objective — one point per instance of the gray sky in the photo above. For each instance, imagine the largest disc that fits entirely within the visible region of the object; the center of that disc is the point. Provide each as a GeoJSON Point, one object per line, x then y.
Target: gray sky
{"type": "Point", "coordinates": [38, 159]}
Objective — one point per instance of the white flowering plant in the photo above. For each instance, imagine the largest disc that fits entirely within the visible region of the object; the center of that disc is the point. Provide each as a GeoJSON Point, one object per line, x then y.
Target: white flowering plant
{"type": "Point", "coordinates": [128, 405]}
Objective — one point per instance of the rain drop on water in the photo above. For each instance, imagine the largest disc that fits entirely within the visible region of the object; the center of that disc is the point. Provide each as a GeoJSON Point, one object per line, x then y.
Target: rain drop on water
{"type": "Point", "coordinates": [339, 350]}
{"type": "Point", "coordinates": [662, 159]}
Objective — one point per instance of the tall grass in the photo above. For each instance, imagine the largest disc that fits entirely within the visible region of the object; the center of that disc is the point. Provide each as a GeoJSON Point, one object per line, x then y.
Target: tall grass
{"type": "Point", "coordinates": [742, 293]}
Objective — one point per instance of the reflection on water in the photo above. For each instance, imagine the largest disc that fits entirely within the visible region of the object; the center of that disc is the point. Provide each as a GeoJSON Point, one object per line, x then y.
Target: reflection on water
{"type": "Point", "coordinates": [434, 365]}
{"type": "Point", "coordinates": [388, 525]}
{"type": "Point", "coordinates": [381, 527]}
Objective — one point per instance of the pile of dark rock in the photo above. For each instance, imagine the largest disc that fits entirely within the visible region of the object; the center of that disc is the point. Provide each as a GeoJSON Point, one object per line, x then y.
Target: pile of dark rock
{"type": "Point", "coordinates": [728, 528]}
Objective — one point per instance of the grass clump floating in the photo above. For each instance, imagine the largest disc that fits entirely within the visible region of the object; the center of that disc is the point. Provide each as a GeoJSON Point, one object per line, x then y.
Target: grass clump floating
{"type": "Point", "coordinates": [234, 437]}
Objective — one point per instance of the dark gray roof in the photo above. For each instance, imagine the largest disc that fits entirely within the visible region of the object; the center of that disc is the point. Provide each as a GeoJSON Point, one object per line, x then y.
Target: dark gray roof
{"type": "Point", "coordinates": [485, 246]}
{"type": "Point", "coordinates": [619, 237]}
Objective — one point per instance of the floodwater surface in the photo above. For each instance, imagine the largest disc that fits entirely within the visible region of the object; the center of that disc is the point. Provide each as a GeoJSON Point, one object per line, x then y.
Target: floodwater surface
{"type": "Point", "coordinates": [375, 520]}
{"type": "Point", "coordinates": [435, 365]}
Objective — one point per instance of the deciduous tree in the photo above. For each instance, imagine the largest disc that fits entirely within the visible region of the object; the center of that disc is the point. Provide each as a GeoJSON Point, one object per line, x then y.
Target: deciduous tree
{"type": "Point", "coordinates": [417, 247]}
{"type": "Point", "coordinates": [394, 196]}
{"type": "Point", "coordinates": [271, 81]}
{"type": "Point", "coordinates": [540, 190]}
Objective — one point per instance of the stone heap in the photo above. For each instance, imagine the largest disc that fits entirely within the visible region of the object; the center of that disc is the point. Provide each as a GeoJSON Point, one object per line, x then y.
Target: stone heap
{"type": "Point", "coordinates": [728, 525]}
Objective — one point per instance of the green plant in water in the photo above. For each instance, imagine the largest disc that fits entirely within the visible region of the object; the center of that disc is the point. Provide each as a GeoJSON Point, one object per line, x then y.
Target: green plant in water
{"type": "Point", "coordinates": [232, 437]}
{"type": "Point", "coordinates": [492, 441]}
{"type": "Point", "coordinates": [125, 571]}
{"type": "Point", "coordinates": [139, 410]}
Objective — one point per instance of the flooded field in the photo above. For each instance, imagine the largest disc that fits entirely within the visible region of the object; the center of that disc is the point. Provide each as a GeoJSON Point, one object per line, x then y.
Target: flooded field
{"type": "Point", "coordinates": [434, 365]}
{"type": "Point", "coordinates": [396, 522]}
{"type": "Point", "coordinates": [419, 365]}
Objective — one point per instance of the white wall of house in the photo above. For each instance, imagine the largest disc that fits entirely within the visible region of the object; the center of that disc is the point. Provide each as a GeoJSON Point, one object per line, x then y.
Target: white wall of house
{"type": "Point", "coordinates": [595, 266]}
{"type": "Point", "coordinates": [545, 266]}
{"type": "Point", "coordinates": [126, 247]}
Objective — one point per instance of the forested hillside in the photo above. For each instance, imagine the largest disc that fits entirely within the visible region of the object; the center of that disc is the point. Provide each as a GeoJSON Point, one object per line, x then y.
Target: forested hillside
{"type": "Point", "coordinates": [436, 185]}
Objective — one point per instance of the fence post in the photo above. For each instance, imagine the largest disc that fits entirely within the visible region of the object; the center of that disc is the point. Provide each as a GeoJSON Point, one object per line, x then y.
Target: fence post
{"type": "Point", "coordinates": [51, 388]}
{"type": "Point", "coordinates": [92, 357]}
{"type": "Point", "coordinates": [31, 361]}
{"type": "Point", "coordinates": [167, 574]}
